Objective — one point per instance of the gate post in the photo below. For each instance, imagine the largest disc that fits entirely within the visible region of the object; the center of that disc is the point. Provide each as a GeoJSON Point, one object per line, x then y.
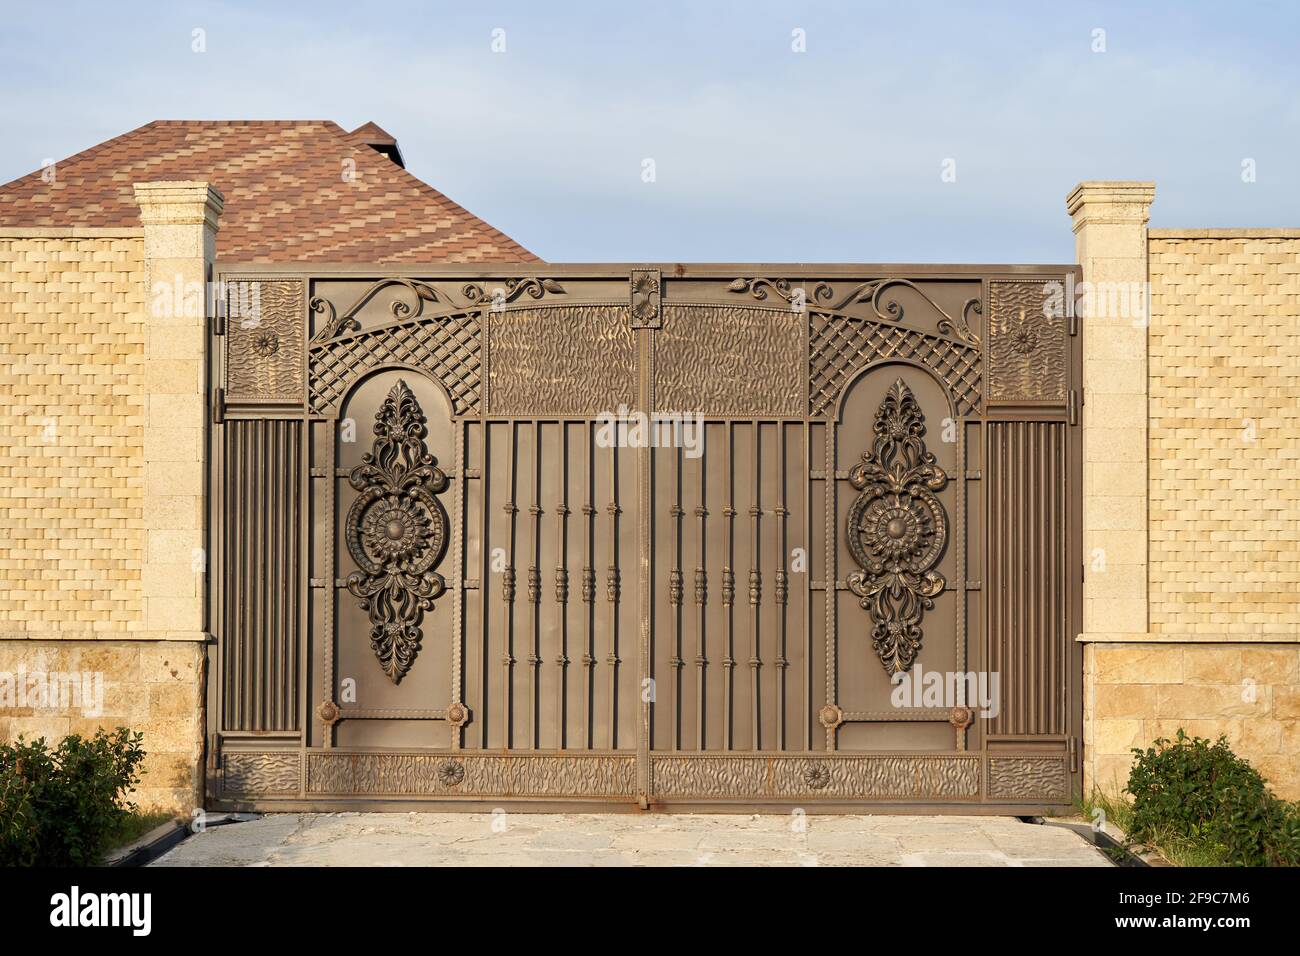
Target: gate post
{"type": "Point", "coordinates": [180, 228]}
{"type": "Point", "coordinates": [1110, 228]}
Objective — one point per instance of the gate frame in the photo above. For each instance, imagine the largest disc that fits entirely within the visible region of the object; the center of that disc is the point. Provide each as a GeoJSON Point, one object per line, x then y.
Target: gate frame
{"type": "Point", "coordinates": [217, 741]}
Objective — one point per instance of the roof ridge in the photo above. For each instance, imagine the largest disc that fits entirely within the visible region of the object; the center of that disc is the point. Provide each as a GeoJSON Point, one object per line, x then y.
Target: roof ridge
{"type": "Point", "coordinates": [476, 223]}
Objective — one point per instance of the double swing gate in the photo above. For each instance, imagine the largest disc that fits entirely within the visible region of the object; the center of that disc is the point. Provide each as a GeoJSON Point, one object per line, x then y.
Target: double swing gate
{"type": "Point", "coordinates": [658, 537]}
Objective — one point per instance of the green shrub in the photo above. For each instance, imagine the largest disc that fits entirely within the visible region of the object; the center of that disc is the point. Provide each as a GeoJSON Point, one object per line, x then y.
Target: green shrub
{"type": "Point", "coordinates": [1189, 789]}
{"type": "Point", "coordinates": [1257, 830]}
{"type": "Point", "coordinates": [58, 807]}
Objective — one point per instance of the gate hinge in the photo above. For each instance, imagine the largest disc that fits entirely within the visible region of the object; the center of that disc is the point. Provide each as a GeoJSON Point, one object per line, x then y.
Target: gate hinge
{"type": "Point", "coordinates": [1074, 754]}
{"type": "Point", "coordinates": [219, 406]}
{"type": "Point", "coordinates": [1076, 400]}
{"type": "Point", "coordinates": [214, 752]}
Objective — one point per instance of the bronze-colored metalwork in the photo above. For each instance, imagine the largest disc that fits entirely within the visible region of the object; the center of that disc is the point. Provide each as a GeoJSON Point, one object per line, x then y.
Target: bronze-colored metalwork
{"type": "Point", "coordinates": [624, 535]}
{"type": "Point", "coordinates": [897, 529]}
{"type": "Point", "coordinates": [397, 532]}
{"type": "Point", "coordinates": [1029, 351]}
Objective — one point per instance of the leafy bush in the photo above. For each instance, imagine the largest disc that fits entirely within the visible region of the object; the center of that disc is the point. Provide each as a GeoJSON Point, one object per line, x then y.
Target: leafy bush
{"type": "Point", "coordinates": [1257, 829]}
{"type": "Point", "coordinates": [59, 807]}
{"type": "Point", "coordinates": [1190, 789]}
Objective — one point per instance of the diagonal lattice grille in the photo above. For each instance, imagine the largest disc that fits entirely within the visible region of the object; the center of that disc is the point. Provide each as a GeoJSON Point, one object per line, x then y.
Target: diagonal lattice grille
{"type": "Point", "coordinates": [838, 346]}
{"type": "Point", "coordinates": [448, 348]}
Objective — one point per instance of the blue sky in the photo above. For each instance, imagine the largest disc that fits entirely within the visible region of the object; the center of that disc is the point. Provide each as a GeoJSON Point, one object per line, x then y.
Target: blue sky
{"type": "Point", "coordinates": [761, 153]}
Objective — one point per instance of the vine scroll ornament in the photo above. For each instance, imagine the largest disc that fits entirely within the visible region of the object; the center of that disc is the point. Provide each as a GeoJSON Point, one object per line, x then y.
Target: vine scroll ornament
{"type": "Point", "coordinates": [397, 532]}
{"type": "Point", "coordinates": [897, 529]}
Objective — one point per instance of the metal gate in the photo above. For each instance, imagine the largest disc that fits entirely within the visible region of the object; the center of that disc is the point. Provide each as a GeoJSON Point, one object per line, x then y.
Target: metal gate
{"type": "Point", "coordinates": [659, 537]}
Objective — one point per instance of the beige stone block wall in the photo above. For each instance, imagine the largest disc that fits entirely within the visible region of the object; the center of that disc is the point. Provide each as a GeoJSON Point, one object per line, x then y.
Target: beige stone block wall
{"type": "Point", "coordinates": [102, 415]}
{"type": "Point", "coordinates": [72, 402]}
{"type": "Point", "coordinates": [1138, 692]}
{"type": "Point", "coordinates": [1221, 653]}
{"type": "Point", "coordinates": [1225, 434]}
{"type": "Point", "coordinates": [154, 687]}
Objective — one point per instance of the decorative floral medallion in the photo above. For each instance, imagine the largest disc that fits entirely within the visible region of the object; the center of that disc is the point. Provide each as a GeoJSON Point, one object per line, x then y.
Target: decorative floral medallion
{"type": "Point", "coordinates": [961, 717]}
{"type": "Point", "coordinates": [451, 773]}
{"type": "Point", "coordinates": [457, 714]}
{"type": "Point", "coordinates": [816, 776]}
{"type": "Point", "coordinates": [1023, 340]}
{"type": "Point", "coordinates": [328, 712]}
{"type": "Point", "coordinates": [830, 716]}
{"type": "Point", "coordinates": [396, 531]}
{"type": "Point", "coordinates": [897, 529]}
{"type": "Point", "coordinates": [266, 344]}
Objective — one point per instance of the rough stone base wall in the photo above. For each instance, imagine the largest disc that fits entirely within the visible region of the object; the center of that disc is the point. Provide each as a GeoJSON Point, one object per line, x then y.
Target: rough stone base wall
{"type": "Point", "coordinates": [155, 687]}
{"type": "Point", "coordinates": [1135, 693]}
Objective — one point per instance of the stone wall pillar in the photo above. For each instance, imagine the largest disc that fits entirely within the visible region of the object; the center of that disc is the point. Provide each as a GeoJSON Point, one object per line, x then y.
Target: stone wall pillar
{"type": "Point", "coordinates": [180, 227]}
{"type": "Point", "coordinates": [1110, 229]}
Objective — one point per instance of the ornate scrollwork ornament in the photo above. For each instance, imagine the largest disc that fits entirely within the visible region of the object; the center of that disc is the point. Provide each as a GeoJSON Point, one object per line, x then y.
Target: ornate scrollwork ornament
{"type": "Point", "coordinates": [897, 529]}
{"type": "Point", "coordinates": [396, 532]}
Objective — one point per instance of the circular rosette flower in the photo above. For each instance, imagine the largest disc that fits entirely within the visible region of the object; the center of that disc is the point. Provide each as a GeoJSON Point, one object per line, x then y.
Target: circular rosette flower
{"type": "Point", "coordinates": [396, 529]}
{"type": "Point", "coordinates": [899, 532]}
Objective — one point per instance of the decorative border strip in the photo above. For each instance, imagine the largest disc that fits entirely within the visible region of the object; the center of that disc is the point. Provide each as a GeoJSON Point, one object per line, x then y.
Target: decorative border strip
{"type": "Point", "coordinates": [460, 774]}
{"type": "Point", "coordinates": [727, 778]}
{"type": "Point", "coordinates": [857, 777]}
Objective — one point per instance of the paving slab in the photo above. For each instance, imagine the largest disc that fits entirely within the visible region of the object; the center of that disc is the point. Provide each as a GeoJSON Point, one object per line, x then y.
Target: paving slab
{"type": "Point", "coordinates": [590, 839]}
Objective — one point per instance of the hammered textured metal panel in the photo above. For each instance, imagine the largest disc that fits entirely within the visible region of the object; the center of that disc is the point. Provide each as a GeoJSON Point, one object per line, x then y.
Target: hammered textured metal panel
{"type": "Point", "coordinates": [264, 331]}
{"type": "Point", "coordinates": [565, 360]}
{"type": "Point", "coordinates": [1029, 778]}
{"type": "Point", "coordinates": [258, 773]}
{"type": "Point", "coordinates": [464, 774]}
{"type": "Point", "coordinates": [1028, 351]}
{"type": "Point", "coordinates": [724, 360]}
{"type": "Point", "coordinates": [851, 778]}
{"type": "Point", "coordinates": [839, 346]}
{"type": "Point", "coordinates": [447, 347]}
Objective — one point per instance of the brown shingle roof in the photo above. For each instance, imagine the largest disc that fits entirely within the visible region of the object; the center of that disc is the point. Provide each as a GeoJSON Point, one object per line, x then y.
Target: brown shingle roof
{"type": "Point", "coordinates": [286, 197]}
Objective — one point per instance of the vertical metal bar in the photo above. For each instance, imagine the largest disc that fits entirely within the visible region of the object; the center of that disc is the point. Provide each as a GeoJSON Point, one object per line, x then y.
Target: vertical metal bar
{"type": "Point", "coordinates": [755, 588]}
{"type": "Point", "coordinates": [675, 596]}
{"type": "Point", "coordinates": [456, 690]}
{"type": "Point", "coordinates": [729, 597]}
{"type": "Point", "coordinates": [959, 525]}
{"type": "Point", "coordinates": [645, 567]}
{"type": "Point", "coordinates": [275, 517]}
{"type": "Point", "coordinates": [805, 477]}
{"type": "Point", "coordinates": [588, 594]}
{"type": "Point", "coordinates": [485, 565]}
{"type": "Point", "coordinates": [613, 594]}
{"type": "Point", "coordinates": [508, 597]}
{"type": "Point", "coordinates": [303, 582]}
{"type": "Point", "coordinates": [562, 591]}
{"type": "Point", "coordinates": [535, 593]}
{"type": "Point", "coordinates": [330, 591]}
{"type": "Point", "coordinates": [832, 580]}
{"type": "Point", "coordinates": [782, 587]}
{"type": "Point", "coordinates": [701, 602]}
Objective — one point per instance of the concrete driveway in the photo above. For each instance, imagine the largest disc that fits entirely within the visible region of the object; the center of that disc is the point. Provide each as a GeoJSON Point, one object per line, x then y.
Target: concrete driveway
{"type": "Point", "coordinates": [553, 839]}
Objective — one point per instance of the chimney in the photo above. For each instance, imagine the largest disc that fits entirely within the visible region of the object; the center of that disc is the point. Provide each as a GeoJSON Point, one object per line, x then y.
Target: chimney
{"type": "Point", "coordinates": [378, 139]}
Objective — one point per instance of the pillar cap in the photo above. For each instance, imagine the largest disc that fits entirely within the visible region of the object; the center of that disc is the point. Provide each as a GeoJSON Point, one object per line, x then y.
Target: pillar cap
{"type": "Point", "coordinates": [1110, 201]}
{"type": "Point", "coordinates": [184, 202]}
